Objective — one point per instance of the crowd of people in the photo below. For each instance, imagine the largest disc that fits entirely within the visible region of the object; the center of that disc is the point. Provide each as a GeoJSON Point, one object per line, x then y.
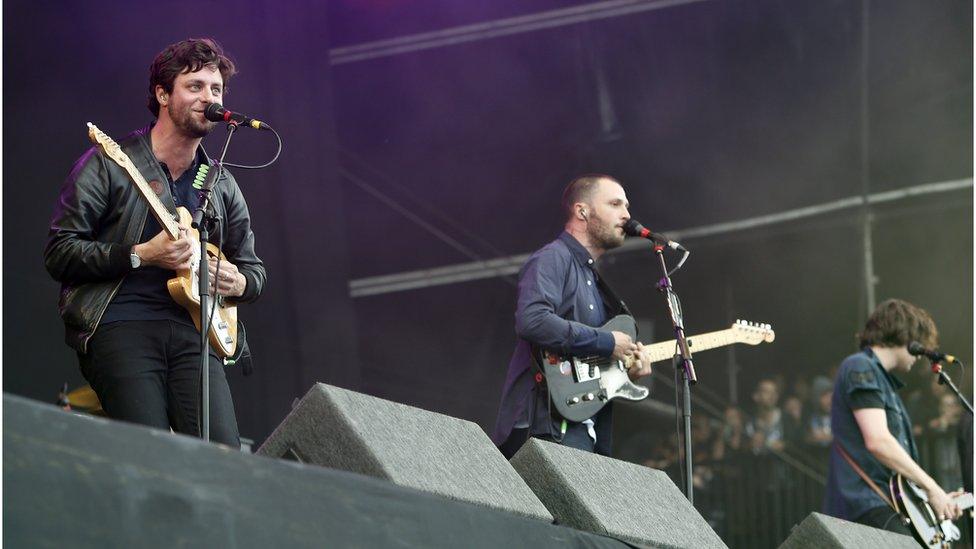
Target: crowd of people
{"type": "Point", "coordinates": [791, 419]}
{"type": "Point", "coordinates": [775, 448]}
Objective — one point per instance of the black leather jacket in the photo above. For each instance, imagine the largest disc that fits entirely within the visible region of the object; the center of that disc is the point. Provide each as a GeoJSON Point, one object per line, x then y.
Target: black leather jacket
{"type": "Point", "coordinates": [100, 215]}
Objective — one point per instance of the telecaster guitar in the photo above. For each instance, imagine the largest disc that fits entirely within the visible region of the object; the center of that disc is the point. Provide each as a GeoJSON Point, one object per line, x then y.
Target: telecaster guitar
{"type": "Point", "coordinates": [913, 504]}
{"type": "Point", "coordinates": [184, 288]}
{"type": "Point", "coordinates": [580, 386]}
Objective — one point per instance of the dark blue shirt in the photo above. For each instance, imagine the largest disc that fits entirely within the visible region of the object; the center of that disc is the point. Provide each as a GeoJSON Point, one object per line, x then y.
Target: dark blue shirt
{"type": "Point", "coordinates": [143, 294]}
{"type": "Point", "coordinates": [559, 306]}
{"type": "Point", "coordinates": [862, 383]}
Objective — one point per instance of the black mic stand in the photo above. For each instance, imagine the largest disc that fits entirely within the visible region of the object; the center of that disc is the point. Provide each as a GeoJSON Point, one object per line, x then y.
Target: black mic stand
{"type": "Point", "coordinates": [946, 380]}
{"type": "Point", "coordinates": [202, 221]}
{"type": "Point", "coordinates": [683, 356]}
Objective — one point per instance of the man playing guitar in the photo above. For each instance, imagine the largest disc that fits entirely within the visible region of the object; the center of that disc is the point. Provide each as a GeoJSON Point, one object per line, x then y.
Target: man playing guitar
{"type": "Point", "coordinates": [871, 427]}
{"type": "Point", "coordinates": [137, 348]}
{"type": "Point", "coordinates": [561, 302]}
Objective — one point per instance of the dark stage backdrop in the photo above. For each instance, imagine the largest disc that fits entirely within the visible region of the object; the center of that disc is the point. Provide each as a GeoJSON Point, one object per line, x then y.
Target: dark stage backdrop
{"type": "Point", "coordinates": [68, 63]}
{"type": "Point", "coordinates": [709, 112]}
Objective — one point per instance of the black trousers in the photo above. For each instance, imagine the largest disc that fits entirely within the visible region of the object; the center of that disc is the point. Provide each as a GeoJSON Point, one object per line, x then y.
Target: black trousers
{"type": "Point", "coordinates": [148, 372]}
{"type": "Point", "coordinates": [884, 518]}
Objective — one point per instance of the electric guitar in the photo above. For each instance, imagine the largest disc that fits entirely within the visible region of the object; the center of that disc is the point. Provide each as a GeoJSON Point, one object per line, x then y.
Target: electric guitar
{"type": "Point", "coordinates": [913, 504]}
{"type": "Point", "coordinates": [580, 386]}
{"type": "Point", "coordinates": [184, 288]}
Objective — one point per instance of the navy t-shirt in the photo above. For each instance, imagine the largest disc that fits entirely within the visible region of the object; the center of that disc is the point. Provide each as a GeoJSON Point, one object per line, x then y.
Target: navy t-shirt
{"type": "Point", "coordinates": [862, 383]}
{"type": "Point", "coordinates": [143, 294]}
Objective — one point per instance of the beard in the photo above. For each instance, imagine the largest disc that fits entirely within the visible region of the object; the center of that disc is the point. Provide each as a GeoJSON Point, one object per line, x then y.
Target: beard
{"type": "Point", "coordinates": [185, 121]}
{"type": "Point", "coordinates": [603, 234]}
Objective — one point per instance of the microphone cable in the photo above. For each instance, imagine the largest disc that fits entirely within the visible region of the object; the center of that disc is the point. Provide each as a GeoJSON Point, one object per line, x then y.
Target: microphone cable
{"type": "Point", "coordinates": [266, 164]}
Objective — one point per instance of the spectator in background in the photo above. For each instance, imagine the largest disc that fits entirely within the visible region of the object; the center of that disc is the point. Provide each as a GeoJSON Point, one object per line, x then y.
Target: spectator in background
{"type": "Point", "coordinates": [801, 388]}
{"type": "Point", "coordinates": [732, 441]}
{"type": "Point", "coordinates": [765, 431]}
{"type": "Point", "coordinates": [923, 404]}
{"type": "Point", "coordinates": [818, 427]}
{"type": "Point", "coordinates": [794, 427]}
{"type": "Point", "coordinates": [949, 413]}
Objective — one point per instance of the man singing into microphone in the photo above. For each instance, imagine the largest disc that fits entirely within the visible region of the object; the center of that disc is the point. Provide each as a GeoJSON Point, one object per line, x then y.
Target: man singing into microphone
{"type": "Point", "coordinates": [140, 350]}
{"type": "Point", "coordinates": [561, 300]}
{"type": "Point", "coordinates": [871, 425]}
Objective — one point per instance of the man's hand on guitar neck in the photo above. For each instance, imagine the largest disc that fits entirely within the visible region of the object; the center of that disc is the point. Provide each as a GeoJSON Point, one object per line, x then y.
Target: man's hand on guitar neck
{"type": "Point", "coordinates": [942, 503]}
{"type": "Point", "coordinates": [640, 364]}
{"type": "Point", "coordinates": [161, 251]}
{"type": "Point", "coordinates": [230, 282]}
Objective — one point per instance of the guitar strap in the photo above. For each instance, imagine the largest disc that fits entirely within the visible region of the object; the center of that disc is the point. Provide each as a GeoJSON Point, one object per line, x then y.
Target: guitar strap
{"type": "Point", "coordinates": [847, 457]}
{"type": "Point", "coordinates": [614, 305]}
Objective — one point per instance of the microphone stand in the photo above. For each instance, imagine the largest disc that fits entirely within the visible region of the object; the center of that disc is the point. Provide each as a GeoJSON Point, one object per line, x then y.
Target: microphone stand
{"type": "Point", "coordinates": [683, 356]}
{"type": "Point", "coordinates": [946, 380]}
{"type": "Point", "coordinates": [202, 221]}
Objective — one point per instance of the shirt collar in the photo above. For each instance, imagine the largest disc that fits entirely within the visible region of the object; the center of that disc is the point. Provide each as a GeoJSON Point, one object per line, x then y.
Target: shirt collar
{"type": "Point", "coordinates": [895, 381]}
{"type": "Point", "coordinates": [199, 158]}
{"type": "Point", "coordinates": [578, 251]}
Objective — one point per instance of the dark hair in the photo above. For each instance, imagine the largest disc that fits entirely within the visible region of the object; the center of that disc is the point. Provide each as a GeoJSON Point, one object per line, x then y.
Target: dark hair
{"type": "Point", "coordinates": [580, 190]}
{"type": "Point", "coordinates": [183, 57]}
{"type": "Point", "coordinates": [895, 323]}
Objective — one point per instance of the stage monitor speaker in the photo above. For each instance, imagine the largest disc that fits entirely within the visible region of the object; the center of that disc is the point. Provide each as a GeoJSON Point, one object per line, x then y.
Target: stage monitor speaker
{"type": "Point", "coordinates": [84, 482]}
{"type": "Point", "coordinates": [598, 494]}
{"type": "Point", "coordinates": [819, 531]}
{"type": "Point", "coordinates": [342, 429]}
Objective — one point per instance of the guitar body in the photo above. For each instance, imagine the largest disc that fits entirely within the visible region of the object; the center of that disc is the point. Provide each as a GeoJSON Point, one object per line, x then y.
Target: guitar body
{"type": "Point", "coordinates": [581, 387]}
{"type": "Point", "coordinates": [185, 290]}
{"type": "Point", "coordinates": [912, 503]}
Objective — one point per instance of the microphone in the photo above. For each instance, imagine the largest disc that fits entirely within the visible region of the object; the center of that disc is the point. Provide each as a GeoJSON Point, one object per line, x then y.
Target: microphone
{"type": "Point", "coordinates": [633, 228]}
{"type": "Point", "coordinates": [915, 349]}
{"type": "Point", "coordinates": [215, 112]}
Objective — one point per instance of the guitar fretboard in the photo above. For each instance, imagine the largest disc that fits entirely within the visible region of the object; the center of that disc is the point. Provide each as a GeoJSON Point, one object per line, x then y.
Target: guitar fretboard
{"type": "Point", "coordinates": [666, 349]}
{"type": "Point", "coordinates": [114, 151]}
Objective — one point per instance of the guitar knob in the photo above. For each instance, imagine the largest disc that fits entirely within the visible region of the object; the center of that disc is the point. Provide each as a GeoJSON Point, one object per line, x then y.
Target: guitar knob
{"type": "Point", "coordinates": [588, 397]}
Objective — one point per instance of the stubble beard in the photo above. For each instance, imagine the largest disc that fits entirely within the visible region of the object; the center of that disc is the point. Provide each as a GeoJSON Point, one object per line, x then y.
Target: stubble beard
{"type": "Point", "coordinates": [604, 234]}
{"type": "Point", "coordinates": [186, 123]}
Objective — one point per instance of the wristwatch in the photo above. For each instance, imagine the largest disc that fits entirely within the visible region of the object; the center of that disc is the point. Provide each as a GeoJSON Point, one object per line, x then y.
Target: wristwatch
{"type": "Point", "coordinates": [134, 258]}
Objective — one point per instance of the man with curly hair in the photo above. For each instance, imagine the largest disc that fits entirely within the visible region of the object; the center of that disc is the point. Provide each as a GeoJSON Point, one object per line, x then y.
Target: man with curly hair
{"type": "Point", "coordinates": [871, 425]}
{"type": "Point", "coordinates": [138, 348]}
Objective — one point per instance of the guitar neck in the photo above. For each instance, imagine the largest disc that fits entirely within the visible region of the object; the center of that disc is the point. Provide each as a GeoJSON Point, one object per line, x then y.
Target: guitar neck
{"type": "Point", "coordinates": [159, 211]}
{"type": "Point", "coordinates": [666, 349]}
{"type": "Point", "coordinates": [964, 501]}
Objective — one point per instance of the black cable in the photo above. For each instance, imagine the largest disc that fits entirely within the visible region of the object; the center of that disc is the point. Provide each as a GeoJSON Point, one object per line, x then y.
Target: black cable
{"type": "Point", "coordinates": [213, 307]}
{"type": "Point", "coordinates": [266, 164]}
{"type": "Point", "coordinates": [962, 367]}
{"type": "Point", "coordinates": [677, 419]}
{"type": "Point", "coordinates": [680, 264]}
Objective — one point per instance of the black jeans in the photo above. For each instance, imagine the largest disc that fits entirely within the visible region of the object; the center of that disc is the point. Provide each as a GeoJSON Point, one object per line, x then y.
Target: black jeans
{"type": "Point", "coordinates": [148, 372]}
{"type": "Point", "coordinates": [884, 518]}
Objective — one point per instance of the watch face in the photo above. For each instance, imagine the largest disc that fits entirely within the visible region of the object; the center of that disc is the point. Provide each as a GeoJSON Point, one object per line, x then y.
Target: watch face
{"type": "Point", "coordinates": [135, 260]}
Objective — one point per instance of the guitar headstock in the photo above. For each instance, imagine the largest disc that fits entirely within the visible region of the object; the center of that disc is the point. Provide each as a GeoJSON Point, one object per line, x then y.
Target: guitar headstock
{"type": "Point", "coordinates": [106, 143]}
{"type": "Point", "coordinates": [752, 333]}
